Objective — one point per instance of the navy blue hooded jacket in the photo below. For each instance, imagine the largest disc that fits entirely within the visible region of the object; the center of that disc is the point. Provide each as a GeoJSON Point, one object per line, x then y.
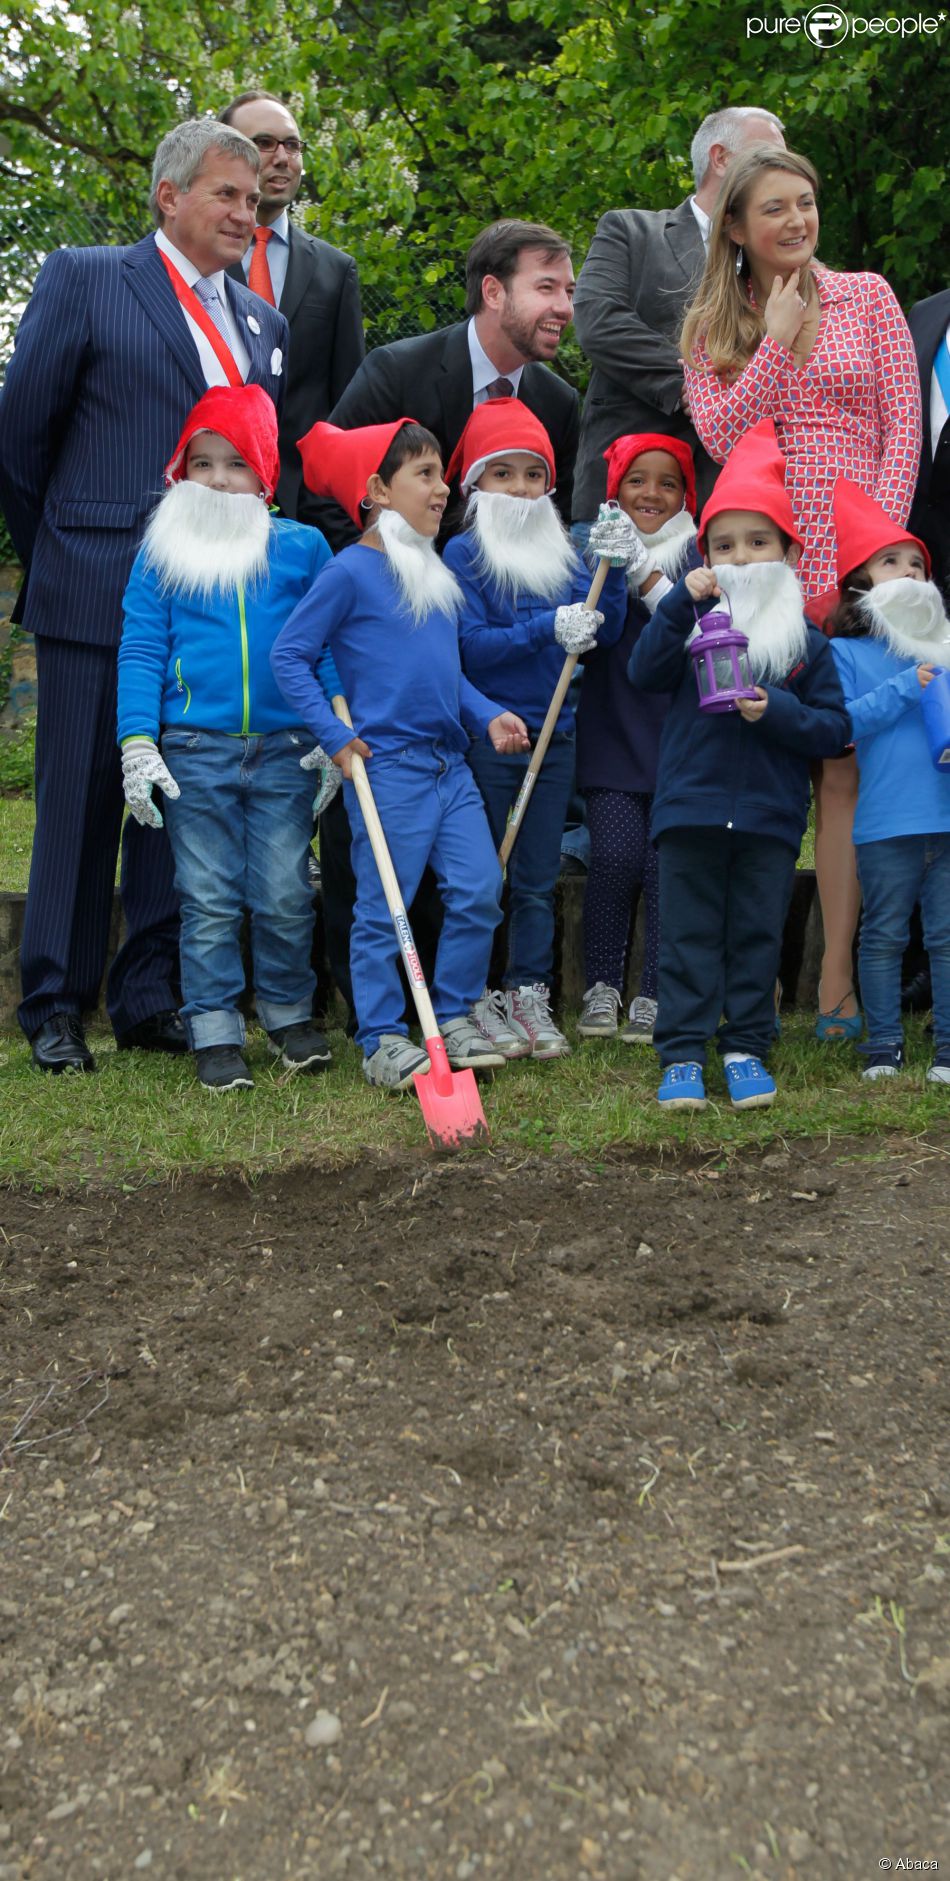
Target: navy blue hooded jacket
{"type": "Point", "coordinates": [715, 768]}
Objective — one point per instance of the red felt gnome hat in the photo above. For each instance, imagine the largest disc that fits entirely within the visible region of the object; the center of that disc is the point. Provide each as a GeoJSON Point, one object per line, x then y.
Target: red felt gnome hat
{"type": "Point", "coordinates": [624, 451]}
{"type": "Point", "coordinates": [340, 463]}
{"type": "Point", "coordinates": [862, 528]}
{"type": "Point", "coordinates": [246, 417]}
{"type": "Point", "coordinates": [753, 478]}
{"type": "Point", "coordinates": [495, 428]}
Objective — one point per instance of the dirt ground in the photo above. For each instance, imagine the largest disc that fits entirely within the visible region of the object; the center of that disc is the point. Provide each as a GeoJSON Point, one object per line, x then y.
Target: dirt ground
{"type": "Point", "coordinates": [480, 1518]}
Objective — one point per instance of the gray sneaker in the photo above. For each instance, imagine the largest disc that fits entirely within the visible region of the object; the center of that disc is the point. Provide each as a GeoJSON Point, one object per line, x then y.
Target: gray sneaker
{"type": "Point", "coordinates": [395, 1062]}
{"type": "Point", "coordinates": [639, 1027]}
{"type": "Point", "coordinates": [467, 1048]}
{"type": "Point", "coordinates": [599, 1012]}
{"type": "Point", "coordinates": [529, 1014]}
{"type": "Point", "coordinates": [491, 1017]}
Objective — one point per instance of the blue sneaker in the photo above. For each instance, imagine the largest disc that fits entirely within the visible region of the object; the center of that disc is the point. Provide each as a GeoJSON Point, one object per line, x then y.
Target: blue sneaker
{"type": "Point", "coordinates": [749, 1085]}
{"type": "Point", "coordinates": [681, 1088]}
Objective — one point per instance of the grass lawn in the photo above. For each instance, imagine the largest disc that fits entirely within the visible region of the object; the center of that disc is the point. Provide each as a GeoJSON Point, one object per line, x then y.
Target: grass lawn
{"type": "Point", "coordinates": [144, 1119]}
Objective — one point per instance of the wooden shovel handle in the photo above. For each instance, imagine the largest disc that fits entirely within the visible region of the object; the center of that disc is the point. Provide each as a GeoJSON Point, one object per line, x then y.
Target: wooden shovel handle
{"type": "Point", "coordinates": [551, 718]}
{"type": "Point", "coordinates": [390, 882]}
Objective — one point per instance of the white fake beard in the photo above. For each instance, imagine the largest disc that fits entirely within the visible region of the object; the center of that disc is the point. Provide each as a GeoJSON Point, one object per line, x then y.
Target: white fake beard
{"type": "Point", "coordinates": [523, 546]}
{"type": "Point", "coordinates": [200, 541]}
{"type": "Point", "coordinates": [769, 608]}
{"type": "Point", "coordinates": [668, 547]}
{"type": "Point", "coordinates": [909, 617]}
{"type": "Point", "coordinates": [425, 585]}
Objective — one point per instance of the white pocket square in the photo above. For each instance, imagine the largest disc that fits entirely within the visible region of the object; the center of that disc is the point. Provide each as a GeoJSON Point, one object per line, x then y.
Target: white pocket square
{"type": "Point", "coordinates": [277, 362]}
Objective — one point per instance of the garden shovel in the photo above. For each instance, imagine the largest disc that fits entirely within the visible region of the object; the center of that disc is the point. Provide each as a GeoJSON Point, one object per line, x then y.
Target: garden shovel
{"type": "Point", "coordinates": [451, 1106]}
{"type": "Point", "coordinates": [544, 736]}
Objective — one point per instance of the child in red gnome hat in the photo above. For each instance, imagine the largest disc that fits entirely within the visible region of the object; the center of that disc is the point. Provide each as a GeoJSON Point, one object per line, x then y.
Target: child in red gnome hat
{"type": "Point", "coordinates": [523, 586]}
{"type": "Point", "coordinates": [214, 581]}
{"type": "Point", "coordinates": [387, 609]}
{"type": "Point", "coordinates": [651, 476]}
{"type": "Point", "coordinates": [891, 631]}
{"type": "Point", "coordinates": [731, 798]}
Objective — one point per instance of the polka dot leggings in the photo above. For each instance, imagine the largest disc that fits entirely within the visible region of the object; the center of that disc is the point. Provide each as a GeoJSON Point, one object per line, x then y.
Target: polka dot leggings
{"type": "Point", "coordinates": [623, 861]}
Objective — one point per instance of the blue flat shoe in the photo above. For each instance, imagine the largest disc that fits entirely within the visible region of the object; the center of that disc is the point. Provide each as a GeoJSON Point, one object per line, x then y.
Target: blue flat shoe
{"type": "Point", "coordinates": [836, 1027]}
{"type": "Point", "coordinates": [682, 1088]}
{"type": "Point", "coordinates": [749, 1085]}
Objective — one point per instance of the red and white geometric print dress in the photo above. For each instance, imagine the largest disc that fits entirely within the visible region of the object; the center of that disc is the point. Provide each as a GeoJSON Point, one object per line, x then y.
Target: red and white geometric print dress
{"type": "Point", "coordinates": [853, 410]}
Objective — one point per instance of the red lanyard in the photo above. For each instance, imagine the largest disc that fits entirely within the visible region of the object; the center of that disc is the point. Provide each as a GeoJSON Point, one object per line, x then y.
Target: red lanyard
{"type": "Point", "coordinates": [202, 318]}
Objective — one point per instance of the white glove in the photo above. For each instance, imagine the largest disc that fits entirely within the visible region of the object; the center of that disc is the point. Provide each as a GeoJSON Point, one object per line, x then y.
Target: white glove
{"type": "Point", "coordinates": [613, 538]}
{"type": "Point", "coordinates": [142, 768]}
{"type": "Point", "coordinates": [575, 627]}
{"type": "Point", "coordinates": [332, 778]}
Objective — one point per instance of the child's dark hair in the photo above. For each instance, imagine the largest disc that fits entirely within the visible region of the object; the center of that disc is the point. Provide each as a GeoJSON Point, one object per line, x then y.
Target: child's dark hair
{"type": "Point", "coordinates": [846, 621]}
{"type": "Point", "coordinates": [410, 441]}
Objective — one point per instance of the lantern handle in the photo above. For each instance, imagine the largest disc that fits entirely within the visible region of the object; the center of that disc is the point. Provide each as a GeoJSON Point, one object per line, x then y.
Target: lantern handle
{"type": "Point", "coordinates": [711, 610]}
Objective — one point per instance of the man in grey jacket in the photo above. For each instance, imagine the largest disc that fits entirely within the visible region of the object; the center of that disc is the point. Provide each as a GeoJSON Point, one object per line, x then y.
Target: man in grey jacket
{"type": "Point", "coordinates": [642, 270]}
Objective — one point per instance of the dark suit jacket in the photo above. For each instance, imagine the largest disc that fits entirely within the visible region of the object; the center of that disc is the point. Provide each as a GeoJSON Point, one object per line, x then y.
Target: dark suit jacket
{"type": "Point", "coordinates": [103, 375]}
{"type": "Point", "coordinates": [643, 268]}
{"type": "Point", "coordinates": [429, 378]}
{"type": "Point", "coordinates": [321, 304]}
{"type": "Point", "coordinates": [930, 513]}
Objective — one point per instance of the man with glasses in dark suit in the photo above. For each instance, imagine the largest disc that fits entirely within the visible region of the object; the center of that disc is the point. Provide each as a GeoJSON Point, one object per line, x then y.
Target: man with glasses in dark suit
{"type": "Point", "coordinates": [314, 285]}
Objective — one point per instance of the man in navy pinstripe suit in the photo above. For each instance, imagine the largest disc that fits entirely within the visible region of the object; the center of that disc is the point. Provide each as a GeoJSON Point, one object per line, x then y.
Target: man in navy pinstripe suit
{"type": "Point", "coordinates": [113, 350]}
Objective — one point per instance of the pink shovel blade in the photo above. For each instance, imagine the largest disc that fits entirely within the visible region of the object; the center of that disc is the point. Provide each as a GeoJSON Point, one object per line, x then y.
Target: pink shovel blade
{"type": "Point", "coordinates": [451, 1107]}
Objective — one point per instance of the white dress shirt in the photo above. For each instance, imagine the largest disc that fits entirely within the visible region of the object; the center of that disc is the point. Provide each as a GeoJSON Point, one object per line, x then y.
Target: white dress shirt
{"type": "Point", "coordinates": [211, 366]}
{"type": "Point", "coordinates": [938, 405]}
{"type": "Point", "coordinates": [484, 372]}
{"type": "Point", "coordinates": [703, 220]}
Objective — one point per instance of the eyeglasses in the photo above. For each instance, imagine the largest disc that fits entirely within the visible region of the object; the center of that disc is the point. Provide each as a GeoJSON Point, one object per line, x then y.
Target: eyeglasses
{"type": "Point", "coordinates": [267, 145]}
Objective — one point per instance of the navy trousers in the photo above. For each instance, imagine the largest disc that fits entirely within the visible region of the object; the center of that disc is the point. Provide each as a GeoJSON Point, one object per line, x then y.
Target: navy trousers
{"type": "Point", "coordinates": [724, 897]}
{"type": "Point", "coordinates": [79, 805]}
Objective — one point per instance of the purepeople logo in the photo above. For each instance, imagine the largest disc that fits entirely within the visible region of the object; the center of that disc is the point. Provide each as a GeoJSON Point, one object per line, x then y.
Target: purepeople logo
{"type": "Point", "coordinates": [829, 26]}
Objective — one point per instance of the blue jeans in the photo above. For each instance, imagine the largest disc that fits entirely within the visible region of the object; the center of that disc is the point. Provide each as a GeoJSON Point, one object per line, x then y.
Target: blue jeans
{"type": "Point", "coordinates": [240, 833]}
{"type": "Point", "coordinates": [894, 874]}
{"type": "Point", "coordinates": [536, 857]}
{"type": "Point", "coordinates": [431, 813]}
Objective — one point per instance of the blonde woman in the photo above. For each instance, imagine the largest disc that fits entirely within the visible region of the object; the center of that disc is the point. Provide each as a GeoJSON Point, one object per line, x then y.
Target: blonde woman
{"type": "Point", "coordinates": [828, 356]}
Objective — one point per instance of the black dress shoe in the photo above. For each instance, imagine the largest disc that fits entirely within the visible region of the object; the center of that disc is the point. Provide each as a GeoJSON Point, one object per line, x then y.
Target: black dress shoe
{"type": "Point", "coordinates": [163, 1032]}
{"type": "Point", "coordinates": [60, 1045]}
{"type": "Point", "coordinates": [917, 995]}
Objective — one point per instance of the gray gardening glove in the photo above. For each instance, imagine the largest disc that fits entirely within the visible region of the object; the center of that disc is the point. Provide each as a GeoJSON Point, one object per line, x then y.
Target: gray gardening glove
{"type": "Point", "coordinates": [613, 538]}
{"type": "Point", "coordinates": [142, 768]}
{"type": "Point", "coordinates": [330, 781]}
{"type": "Point", "coordinates": [575, 627]}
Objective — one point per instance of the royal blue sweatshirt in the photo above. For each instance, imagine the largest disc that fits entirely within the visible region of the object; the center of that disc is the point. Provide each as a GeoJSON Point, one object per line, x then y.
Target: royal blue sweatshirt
{"type": "Point", "coordinates": [508, 646]}
{"type": "Point", "coordinates": [205, 661]}
{"type": "Point", "coordinates": [401, 677]}
{"type": "Point", "coordinates": [900, 792]}
{"type": "Point", "coordinates": [715, 768]}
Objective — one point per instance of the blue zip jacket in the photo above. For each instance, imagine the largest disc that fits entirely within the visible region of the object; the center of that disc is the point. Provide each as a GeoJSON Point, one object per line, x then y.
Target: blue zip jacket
{"type": "Point", "coordinates": [205, 660]}
{"type": "Point", "coordinates": [715, 768]}
{"type": "Point", "coordinates": [900, 792]}
{"type": "Point", "coordinates": [508, 647]}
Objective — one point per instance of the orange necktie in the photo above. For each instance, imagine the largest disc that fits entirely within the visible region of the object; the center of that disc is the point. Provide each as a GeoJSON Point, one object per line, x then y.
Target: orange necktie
{"type": "Point", "coordinates": [258, 278]}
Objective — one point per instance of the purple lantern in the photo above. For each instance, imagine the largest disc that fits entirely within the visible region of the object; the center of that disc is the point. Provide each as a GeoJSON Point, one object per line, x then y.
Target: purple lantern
{"type": "Point", "coordinates": [720, 656]}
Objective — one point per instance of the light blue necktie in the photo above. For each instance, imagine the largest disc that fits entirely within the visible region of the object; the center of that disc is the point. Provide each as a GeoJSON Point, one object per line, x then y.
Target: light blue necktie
{"type": "Point", "coordinates": [211, 302]}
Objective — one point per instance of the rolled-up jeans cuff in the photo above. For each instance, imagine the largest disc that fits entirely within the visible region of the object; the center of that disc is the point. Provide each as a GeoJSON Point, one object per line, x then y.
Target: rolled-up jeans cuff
{"type": "Point", "coordinates": [223, 1027]}
{"type": "Point", "coordinates": [277, 1018]}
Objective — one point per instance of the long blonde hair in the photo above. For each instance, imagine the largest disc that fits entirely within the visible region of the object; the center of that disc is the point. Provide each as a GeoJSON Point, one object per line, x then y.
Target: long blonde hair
{"type": "Point", "coordinates": [722, 317]}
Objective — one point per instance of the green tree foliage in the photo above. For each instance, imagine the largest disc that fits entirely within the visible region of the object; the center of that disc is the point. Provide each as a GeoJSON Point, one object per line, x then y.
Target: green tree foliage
{"type": "Point", "coordinates": [427, 118]}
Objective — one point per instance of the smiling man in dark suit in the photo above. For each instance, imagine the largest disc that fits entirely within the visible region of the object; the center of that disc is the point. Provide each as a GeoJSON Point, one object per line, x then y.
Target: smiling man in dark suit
{"type": "Point", "coordinates": [115, 347]}
{"type": "Point", "coordinates": [519, 292]}
{"type": "Point", "coordinates": [642, 270]}
{"type": "Point", "coordinates": [315, 285]}
{"type": "Point", "coordinates": [930, 515]}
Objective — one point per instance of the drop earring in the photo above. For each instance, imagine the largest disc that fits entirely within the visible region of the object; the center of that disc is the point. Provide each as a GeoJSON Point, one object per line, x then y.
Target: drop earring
{"type": "Point", "coordinates": [740, 259]}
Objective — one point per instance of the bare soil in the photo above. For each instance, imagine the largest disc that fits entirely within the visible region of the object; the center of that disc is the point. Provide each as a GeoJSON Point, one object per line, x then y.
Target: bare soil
{"type": "Point", "coordinates": [469, 1518]}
